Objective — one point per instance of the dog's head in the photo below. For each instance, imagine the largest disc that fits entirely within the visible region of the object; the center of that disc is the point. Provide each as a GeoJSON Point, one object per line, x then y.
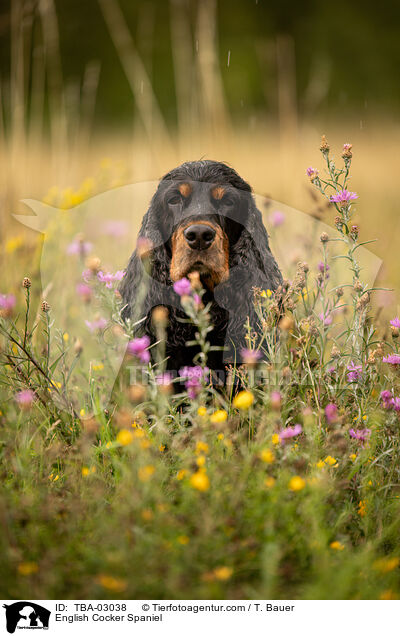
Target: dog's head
{"type": "Point", "coordinates": [203, 218]}
{"type": "Point", "coordinates": [201, 209]}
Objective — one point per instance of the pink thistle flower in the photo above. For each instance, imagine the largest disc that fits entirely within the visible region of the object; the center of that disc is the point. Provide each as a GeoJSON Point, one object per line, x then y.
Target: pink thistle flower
{"type": "Point", "coordinates": [164, 378]}
{"type": "Point", "coordinates": [355, 372]}
{"type": "Point", "coordinates": [193, 377]}
{"type": "Point", "coordinates": [138, 347]}
{"type": "Point", "coordinates": [395, 322]}
{"type": "Point", "coordinates": [109, 279]}
{"type": "Point", "coordinates": [183, 287]}
{"type": "Point", "coordinates": [96, 325]}
{"type": "Point", "coordinates": [323, 268]}
{"type": "Point", "coordinates": [344, 196]}
{"type": "Point", "coordinates": [7, 304]}
{"type": "Point", "coordinates": [387, 399]}
{"type": "Point", "coordinates": [276, 218]}
{"type": "Point", "coordinates": [393, 358]}
{"type": "Point", "coordinates": [25, 398]}
{"type": "Point", "coordinates": [250, 356]}
{"type": "Point", "coordinates": [84, 291]}
{"type": "Point", "coordinates": [362, 434]}
{"type": "Point", "coordinates": [290, 431]}
{"type": "Point", "coordinates": [116, 229]}
{"type": "Point", "coordinates": [79, 247]}
{"type": "Point", "coordinates": [276, 400]}
{"type": "Point", "coordinates": [311, 172]}
{"type": "Point", "coordinates": [331, 413]}
{"type": "Point", "coordinates": [326, 319]}
{"type": "Point", "coordinates": [395, 403]}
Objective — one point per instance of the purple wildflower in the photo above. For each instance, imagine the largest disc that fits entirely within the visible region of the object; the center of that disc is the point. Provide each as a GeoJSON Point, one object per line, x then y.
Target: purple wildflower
{"type": "Point", "coordinates": [311, 172]}
{"type": "Point", "coordinates": [344, 196]}
{"type": "Point", "coordinates": [250, 356]}
{"type": "Point", "coordinates": [7, 303]}
{"type": "Point", "coordinates": [395, 322]}
{"type": "Point", "coordinates": [164, 378]}
{"type": "Point", "coordinates": [290, 431]}
{"type": "Point", "coordinates": [96, 325]}
{"type": "Point", "coordinates": [276, 400]}
{"type": "Point", "coordinates": [323, 268]}
{"type": "Point", "coordinates": [109, 278]}
{"type": "Point", "coordinates": [326, 319]}
{"type": "Point", "coordinates": [393, 358]}
{"type": "Point", "coordinates": [79, 247]}
{"type": "Point", "coordinates": [387, 399]}
{"type": "Point", "coordinates": [361, 434]}
{"type": "Point", "coordinates": [395, 403]}
{"type": "Point", "coordinates": [138, 347]}
{"type": "Point", "coordinates": [331, 413]}
{"type": "Point", "coordinates": [276, 218]}
{"type": "Point", "coordinates": [183, 287]}
{"type": "Point", "coordinates": [25, 398]}
{"type": "Point", "coordinates": [84, 291]}
{"type": "Point", "coordinates": [116, 229]}
{"type": "Point", "coordinates": [193, 377]}
{"type": "Point", "coordinates": [355, 371]}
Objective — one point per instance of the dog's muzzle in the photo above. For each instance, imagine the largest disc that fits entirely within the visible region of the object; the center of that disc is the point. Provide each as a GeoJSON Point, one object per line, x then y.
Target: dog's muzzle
{"type": "Point", "coordinates": [199, 236]}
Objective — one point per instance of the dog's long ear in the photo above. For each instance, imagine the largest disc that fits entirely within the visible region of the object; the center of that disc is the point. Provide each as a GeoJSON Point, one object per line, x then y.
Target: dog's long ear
{"type": "Point", "coordinates": [253, 248]}
{"type": "Point", "coordinates": [147, 267]}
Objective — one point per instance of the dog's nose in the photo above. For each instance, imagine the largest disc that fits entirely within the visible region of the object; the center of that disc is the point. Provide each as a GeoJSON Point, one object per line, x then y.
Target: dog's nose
{"type": "Point", "coordinates": [199, 236]}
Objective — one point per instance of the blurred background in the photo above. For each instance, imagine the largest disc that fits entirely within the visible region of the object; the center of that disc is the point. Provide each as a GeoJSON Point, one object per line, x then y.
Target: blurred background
{"type": "Point", "coordinates": [100, 93]}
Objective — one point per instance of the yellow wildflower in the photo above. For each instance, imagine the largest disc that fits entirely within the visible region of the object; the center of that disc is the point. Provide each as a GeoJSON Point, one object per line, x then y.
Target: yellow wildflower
{"type": "Point", "coordinates": [386, 565]}
{"type": "Point", "coordinates": [183, 539]}
{"type": "Point", "coordinates": [223, 573]}
{"type": "Point", "coordinates": [201, 447]}
{"type": "Point", "coordinates": [13, 244]}
{"type": "Point", "coordinates": [266, 293]}
{"type": "Point", "coordinates": [161, 448]}
{"type": "Point", "coordinates": [27, 568]}
{"type": "Point", "coordinates": [85, 471]}
{"type": "Point", "coordinates": [320, 464]}
{"type": "Point", "coordinates": [243, 400]}
{"type": "Point", "coordinates": [353, 457]}
{"type": "Point", "coordinates": [275, 439]}
{"type": "Point", "coordinates": [180, 474]}
{"type": "Point", "coordinates": [388, 595]}
{"type": "Point", "coordinates": [146, 472]}
{"type": "Point", "coordinates": [269, 482]}
{"type": "Point", "coordinates": [362, 508]}
{"type": "Point", "coordinates": [336, 545]}
{"type": "Point", "coordinates": [218, 416]}
{"type": "Point", "coordinates": [296, 483]}
{"type": "Point", "coordinates": [65, 337]}
{"type": "Point", "coordinates": [202, 411]}
{"type": "Point", "coordinates": [147, 514]}
{"type": "Point", "coordinates": [112, 583]}
{"type": "Point", "coordinates": [124, 437]}
{"type": "Point", "coordinates": [331, 461]}
{"type": "Point", "coordinates": [220, 436]}
{"type": "Point", "coordinates": [200, 481]}
{"type": "Point", "coordinates": [200, 461]}
{"type": "Point", "coordinates": [82, 412]}
{"type": "Point", "coordinates": [267, 456]}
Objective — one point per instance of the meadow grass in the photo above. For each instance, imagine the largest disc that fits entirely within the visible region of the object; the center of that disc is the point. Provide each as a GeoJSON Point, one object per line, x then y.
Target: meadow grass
{"type": "Point", "coordinates": [289, 489]}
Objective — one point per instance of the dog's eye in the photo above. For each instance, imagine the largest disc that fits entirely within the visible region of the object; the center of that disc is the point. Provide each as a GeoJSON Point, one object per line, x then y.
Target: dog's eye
{"type": "Point", "coordinates": [174, 198]}
{"type": "Point", "coordinates": [228, 200]}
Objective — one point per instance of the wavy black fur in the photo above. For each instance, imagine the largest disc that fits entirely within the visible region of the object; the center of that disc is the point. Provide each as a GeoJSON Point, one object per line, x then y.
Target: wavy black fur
{"type": "Point", "coordinates": [251, 264]}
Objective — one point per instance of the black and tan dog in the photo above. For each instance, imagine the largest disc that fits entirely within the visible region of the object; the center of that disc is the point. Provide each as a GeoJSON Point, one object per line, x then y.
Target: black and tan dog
{"type": "Point", "coordinates": [203, 218]}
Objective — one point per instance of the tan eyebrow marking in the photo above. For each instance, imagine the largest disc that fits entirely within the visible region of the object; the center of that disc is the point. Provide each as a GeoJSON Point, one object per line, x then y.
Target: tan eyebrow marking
{"type": "Point", "coordinates": [185, 189]}
{"type": "Point", "coordinates": [218, 192]}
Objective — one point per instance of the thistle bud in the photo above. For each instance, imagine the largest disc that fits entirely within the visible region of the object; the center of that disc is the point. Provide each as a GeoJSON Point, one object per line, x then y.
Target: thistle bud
{"type": "Point", "coordinates": [159, 316]}
{"type": "Point", "coordinates": [324, 238]}
{"type": "Point", "coordinates": [324, 147]}
{"type": "Point", "coordinates": [45, 307]}
{"type": "Point", "coordinates": [26, 282]}
{"type": "Point", "coordinates": [93, 263]}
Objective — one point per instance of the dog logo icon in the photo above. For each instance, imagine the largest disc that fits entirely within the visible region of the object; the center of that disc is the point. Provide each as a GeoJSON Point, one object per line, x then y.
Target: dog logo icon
{"type": "Point", "coordinates": [26, 615]}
